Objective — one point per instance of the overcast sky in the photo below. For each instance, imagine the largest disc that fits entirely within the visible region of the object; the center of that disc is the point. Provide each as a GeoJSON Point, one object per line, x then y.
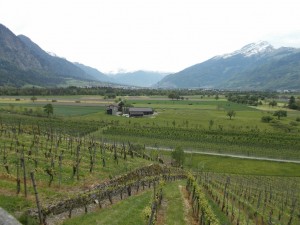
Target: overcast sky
{"type": "Point", "coordinates": [158, 35]}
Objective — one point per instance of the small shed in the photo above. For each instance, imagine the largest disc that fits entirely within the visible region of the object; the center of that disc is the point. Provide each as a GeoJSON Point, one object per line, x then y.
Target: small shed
{"type": "Point", "coordinates": [112, 109]}
{"type": "Point", "coordinates": [139, 112]}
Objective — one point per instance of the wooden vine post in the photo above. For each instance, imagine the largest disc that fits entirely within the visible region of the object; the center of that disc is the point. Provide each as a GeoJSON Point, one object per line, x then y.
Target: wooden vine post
{"type": "Point", "coordinates": [36, 198]}
{"type": "Point", "coordinates": [24, 172]}
{"type": "Point", "coordinates": [60, 168]}
{"type": "Point", "coordinates": [18, 177]}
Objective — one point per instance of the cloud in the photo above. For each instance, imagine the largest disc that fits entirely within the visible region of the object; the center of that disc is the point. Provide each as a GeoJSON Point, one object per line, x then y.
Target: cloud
{"type": "Point", "coordinates": [289, 39]}
{"type": "Point", "coordinates": [166, 35]}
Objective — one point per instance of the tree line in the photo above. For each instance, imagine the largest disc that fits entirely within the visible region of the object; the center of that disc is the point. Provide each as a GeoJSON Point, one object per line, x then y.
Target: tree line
{"type": "Point", "coordinates": [119, 91]}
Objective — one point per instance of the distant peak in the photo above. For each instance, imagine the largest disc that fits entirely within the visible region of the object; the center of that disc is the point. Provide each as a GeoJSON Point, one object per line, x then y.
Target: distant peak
{"type": "Point", "coordinates": [252, 49]}
{"type": "Point", "coordinates": [256, 48]}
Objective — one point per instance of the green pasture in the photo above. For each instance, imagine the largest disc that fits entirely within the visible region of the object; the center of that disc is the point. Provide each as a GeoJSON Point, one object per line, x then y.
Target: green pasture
{"type": "Point", "coordinates": [222, 164]}
{"type": "Point", "coordinates": [62, 110]}
{"type": "Point", "coordinates": [241, 166]}
{"type": "Point", "coordinates": [190, 104]}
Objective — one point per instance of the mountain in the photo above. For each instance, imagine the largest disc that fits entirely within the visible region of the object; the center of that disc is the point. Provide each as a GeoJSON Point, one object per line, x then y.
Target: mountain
{"type": "Point", "coordinates": [22, 62]}
{"type": "Point", "coordinates": [138, 78]}
{"type": "Point", "coordinates": [54, 64]}
{"type": "Point", "coordinates": [256, 66]}
{"type": "Point", "coordinates": [96, 74]}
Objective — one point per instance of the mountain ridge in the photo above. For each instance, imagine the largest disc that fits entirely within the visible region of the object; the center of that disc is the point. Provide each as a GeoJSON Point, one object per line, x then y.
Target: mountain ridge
{"type": "Point", "coordinates": [139, 78]}
{"type": "Point", "coordinates": [256, 66]}
{"type": "Point", "coordinates": [22, 62]}
{"type": "Point", "coordinates": [246, 68]}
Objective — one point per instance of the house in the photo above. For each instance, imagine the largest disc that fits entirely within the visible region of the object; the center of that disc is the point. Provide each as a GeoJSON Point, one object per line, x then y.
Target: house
{"type": "Point", "coordinates": [139, 112]}
{"type": "Point", "coordinates": [112, 109]}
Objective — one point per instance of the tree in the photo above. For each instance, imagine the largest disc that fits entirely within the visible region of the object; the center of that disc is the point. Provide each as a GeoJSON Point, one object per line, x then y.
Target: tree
{"type": "Point", "coordinates": [178, 156]}
{"type": "Point", "coordinates": [48, 109]}
{"type": "Point", "coordinates": [174, 95]}
{"type": "Point", "coordinates": [292, 103]}
{"type": "Point", "coordinates": [273, 103]}
{"type": "Point", "coordinates": [280, 113]}
{"type": "Point", "coordinates": [33, 98]}
{"type": "Point", "coordinates": [231, 113]}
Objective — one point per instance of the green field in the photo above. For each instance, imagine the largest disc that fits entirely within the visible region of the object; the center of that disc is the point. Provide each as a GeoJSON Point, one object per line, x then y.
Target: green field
{"type": "Point", "coordinates": [82, 134]}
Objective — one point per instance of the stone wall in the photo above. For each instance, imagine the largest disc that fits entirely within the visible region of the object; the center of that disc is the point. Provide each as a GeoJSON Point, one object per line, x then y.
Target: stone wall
{"type": "Point", "coordinates": [122, 186]}
{"type": "Point", "coordinates": [7, 219]}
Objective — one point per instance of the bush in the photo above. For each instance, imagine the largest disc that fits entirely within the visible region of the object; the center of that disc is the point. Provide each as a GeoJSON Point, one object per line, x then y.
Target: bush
{"type": "Point", "coordinates": [178, 156]}
{"type": "Point", "coordinates": [293, 123]}
{"type": "Point", "coordinates": [298, 119]}
{"type": "Point", "coordinates": [27, 220]}
{"type": "Point", "coordinates": [266, 119]}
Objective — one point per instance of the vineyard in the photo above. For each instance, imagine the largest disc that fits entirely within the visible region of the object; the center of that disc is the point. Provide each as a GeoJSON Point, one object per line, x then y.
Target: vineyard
{"type": "Point", "coordinates": [68, 168]}
{"type": "Point", "coordinates": [63, 165]}
{"type": "Point", "coordinates": [250, 143]}
{"type": "Point", "coordinates": [246, 199]}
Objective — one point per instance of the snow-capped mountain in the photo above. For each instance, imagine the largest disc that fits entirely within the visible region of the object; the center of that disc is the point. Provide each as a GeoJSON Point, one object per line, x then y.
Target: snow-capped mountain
{"type": "Point", "coordinates": [255, 66]}
{"type": "Point", "coordinates": [257, 48]}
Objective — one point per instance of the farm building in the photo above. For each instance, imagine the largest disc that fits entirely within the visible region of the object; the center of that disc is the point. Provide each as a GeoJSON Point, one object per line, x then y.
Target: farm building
{"type": "Point", "coordinates": [112, 109]}
{"type": "Point", "coordinates": [137, 112]}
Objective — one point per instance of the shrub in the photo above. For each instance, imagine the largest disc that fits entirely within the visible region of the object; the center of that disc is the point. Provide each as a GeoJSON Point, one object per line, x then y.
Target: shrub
{"type": "Point", "coordinates": [266, 119]}
{"type": "Point", "coordinates": [293, 123]}
{"type": "Point", "coordinates": [298, 119]}
{"type": "Point", "coordinates": [28, 220]}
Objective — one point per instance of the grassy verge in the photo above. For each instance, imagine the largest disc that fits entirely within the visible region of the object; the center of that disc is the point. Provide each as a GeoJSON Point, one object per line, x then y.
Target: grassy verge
{"type": "Point", "coordinates": [174, 213]}
{"type": "Point", "coordinates": [220, 164]}
{"type": "Point", "coordinates": [14, 204]}
{"type": "Point", "coordinates": [242, 166]}
{"type": "Point", "coordinates": [129, 211]}
{"type": "Point", "coordinates": [126, 212]}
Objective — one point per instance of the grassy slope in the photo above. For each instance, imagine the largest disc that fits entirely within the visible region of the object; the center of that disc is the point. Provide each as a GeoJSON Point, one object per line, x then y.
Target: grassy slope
{"type": "Point", "coordinates": [126, 212]}
{"type": "Point", "coordinates": [129, 211]}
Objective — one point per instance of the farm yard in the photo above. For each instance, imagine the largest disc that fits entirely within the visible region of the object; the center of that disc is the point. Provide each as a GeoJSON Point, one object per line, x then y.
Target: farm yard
{"type": "Point", "coordinates": [86, 167]}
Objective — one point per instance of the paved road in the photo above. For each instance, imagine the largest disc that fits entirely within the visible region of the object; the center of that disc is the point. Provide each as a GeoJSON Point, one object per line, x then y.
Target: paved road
{"type": "Point", "coordinates": [231, 155]}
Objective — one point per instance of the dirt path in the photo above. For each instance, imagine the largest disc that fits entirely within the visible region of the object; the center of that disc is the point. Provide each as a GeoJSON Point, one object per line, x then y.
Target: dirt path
{"type": "Point", "coordinates": [230, 155]}
{"type": "Point", "coordinates": [162, 212]}
{"type": "Point", "coordinates": [188, 215]}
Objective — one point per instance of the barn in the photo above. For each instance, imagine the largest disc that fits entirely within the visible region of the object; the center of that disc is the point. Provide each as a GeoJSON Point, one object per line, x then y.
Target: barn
{"type": "Point", "coordinates": [139, 112]}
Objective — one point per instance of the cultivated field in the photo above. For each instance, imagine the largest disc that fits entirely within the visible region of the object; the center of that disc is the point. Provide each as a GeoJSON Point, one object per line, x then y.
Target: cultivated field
{"type": "Point", "coordinates": [105, 169]}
